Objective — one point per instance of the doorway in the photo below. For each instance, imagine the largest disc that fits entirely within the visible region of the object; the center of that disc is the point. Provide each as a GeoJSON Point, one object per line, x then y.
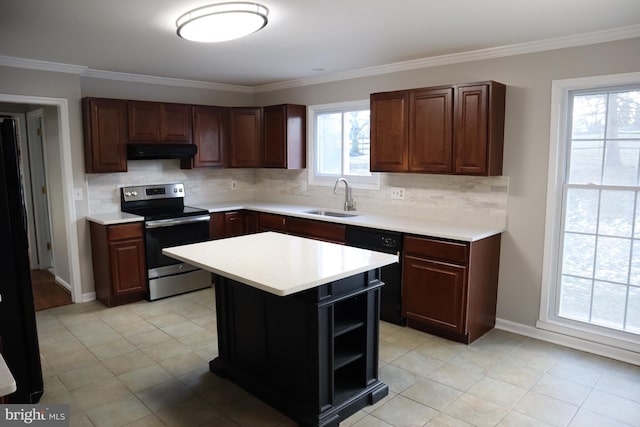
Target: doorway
{"type": "Point", "coordinates": [66, 258]}
{"type": "Point", "coordinates": [47, 293]}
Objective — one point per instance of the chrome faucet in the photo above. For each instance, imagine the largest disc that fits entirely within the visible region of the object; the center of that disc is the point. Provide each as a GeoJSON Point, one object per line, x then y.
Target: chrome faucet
{"type": "Point", "coordinates": [349, 204]}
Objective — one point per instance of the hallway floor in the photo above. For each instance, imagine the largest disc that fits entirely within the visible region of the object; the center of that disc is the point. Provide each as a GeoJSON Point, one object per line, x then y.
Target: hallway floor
{"type": "Point", "coordinates": [146, 364]}
{"type": "Point", "coordinates": [46, 292]}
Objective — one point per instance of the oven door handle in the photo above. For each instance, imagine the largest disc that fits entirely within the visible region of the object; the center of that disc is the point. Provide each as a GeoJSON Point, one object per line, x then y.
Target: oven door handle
{"type": "Point", "coordinates": [176, 221]}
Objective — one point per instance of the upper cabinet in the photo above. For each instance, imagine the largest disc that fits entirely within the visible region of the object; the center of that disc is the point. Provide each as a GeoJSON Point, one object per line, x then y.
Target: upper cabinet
{"type": "Point", "coordinates": [105, 135]}
{"type": "Point", "coordinates": [285, 136]}
{"type": "Point", "coordinates": [210, 130]}
{"type": "Point", "coordinates": [457, 129]}
{"type": "Point", "coordinates": [245, 137]}
{"type": "Point", "coordinates": [159, 122]}
{"type": "Point", "coordinates": [479, 128]}
{"type": "Point", "coordinates": [390, 131]}
{"type": "Point", "coordinates": [251, 137]}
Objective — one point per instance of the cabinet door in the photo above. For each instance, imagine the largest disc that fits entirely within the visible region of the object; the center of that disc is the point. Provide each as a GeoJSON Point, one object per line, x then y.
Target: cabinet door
{"type": "Point", "coordinates": [285, 136]}
{"type": "Point", "coordinates": [216, 226]}
{"type": "Point", "coordinates": [471, 129]}
{"type": "Point", "coordinates": [105, 135]}
{"type": "Point", "coordinates": [389, 131]}
{"type": "Point", "coordinates": [175, 123]}
{"type": "Point", "coordinates": [431, 130]}
{"type": "Point", "coordinates": [434, 292]}
{"type": "Point", "coordinates": [127, 266]}
{"type": "Point", "coordinates": [234, 224]}
{"type": "Point", "coordinates": [144, 120]}
{"type": "Point", "coordinates": [320, 230]}
{"type": "Point", "coordinates": [246, 137]}
{"type": "Point", "coordinates": [158, 122]}
{"type": "Point", "coordinates": [209, 134]}
{"type": "Point", "coordinates": [271, 222]}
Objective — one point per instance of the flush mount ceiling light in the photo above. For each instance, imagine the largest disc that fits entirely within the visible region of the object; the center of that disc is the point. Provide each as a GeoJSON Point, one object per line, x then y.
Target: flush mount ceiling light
{"type": "Point", "coordinates": [222, 21]}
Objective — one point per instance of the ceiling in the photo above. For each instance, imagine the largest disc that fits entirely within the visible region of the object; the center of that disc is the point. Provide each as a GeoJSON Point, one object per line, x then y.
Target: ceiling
{"type": "Point", "coordinates": [304, 39]}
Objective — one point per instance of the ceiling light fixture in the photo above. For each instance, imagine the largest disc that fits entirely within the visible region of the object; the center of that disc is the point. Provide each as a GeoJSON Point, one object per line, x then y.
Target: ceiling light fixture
{"type": "Point", "coordinates": [222, 21]}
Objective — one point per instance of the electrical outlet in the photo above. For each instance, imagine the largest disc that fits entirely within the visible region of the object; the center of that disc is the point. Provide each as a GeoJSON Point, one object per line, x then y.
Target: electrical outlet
{"type": "Point", "coordinates": [397, 193]}
{"type": "Point", "coordinates": [234, 185]}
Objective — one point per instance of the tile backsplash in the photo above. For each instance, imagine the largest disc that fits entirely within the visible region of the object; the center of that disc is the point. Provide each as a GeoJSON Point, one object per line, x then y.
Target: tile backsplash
{"type": "Point", "coordinates": [468, 199]}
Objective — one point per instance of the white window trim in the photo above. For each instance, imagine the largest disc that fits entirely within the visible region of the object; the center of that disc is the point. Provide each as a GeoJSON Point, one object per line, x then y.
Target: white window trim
{"type": "Point", "coordinates": [557, 163]}
{"type": "Point", "coordinates": [369, 183]}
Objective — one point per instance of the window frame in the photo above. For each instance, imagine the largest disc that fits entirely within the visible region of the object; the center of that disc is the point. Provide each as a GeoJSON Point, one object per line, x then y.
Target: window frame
{"type": "Point", "coordinates": [555, 212]}
{"type": "Point", "coordinates": [315, 178]}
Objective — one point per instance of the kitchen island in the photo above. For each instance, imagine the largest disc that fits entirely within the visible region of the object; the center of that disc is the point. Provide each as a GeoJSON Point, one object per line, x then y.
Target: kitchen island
{"type": "Point", "coordinates": [297, 321]}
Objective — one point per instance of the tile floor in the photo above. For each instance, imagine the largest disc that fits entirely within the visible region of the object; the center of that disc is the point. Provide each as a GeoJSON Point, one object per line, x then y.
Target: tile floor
{"type": "Point", "coordinates": [146, 364]}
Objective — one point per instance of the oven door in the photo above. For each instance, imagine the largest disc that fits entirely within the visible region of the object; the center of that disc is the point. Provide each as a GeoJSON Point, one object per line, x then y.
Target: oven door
{"type": "Point", "coordinates": [166, 233]}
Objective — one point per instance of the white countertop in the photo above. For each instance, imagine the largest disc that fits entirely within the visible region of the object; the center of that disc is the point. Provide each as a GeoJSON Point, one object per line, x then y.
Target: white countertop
{"type": "Point", "coordinates": [420, 226]}
{"type": "Point", "coordinates": [7, 382]}
{"type": "Point", "coordinates": [113, 218]}
{"type": "Point", "coordinates": [279, 263]}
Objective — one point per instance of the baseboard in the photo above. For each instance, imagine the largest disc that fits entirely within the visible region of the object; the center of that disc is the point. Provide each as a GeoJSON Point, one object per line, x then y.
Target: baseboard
{"type": "Point", "coordinates": [89, 296]}
{"type": "Point", "coordinates": [63, 283]}
{"type": "Point", "coordinates": [568, 341]}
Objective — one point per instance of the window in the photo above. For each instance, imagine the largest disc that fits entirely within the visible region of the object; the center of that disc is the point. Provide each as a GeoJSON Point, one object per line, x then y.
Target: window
{"type": "Point", "coordinates": [592, 252]}
{"type": "Point", "coordinates": [339, 135]}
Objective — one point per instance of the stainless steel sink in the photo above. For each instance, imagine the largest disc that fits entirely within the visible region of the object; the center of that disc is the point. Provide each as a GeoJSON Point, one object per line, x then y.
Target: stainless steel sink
{"type": "Point", "coordinates": [331, 213]}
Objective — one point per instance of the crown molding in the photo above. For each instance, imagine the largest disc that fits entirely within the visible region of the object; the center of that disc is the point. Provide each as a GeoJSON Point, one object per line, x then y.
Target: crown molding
{"type": "Point", "coordinates": [35, 64]}
{"type": "Point", "coordinates": [604, 36]}
{"type": "Point", "coordinates": [165, 81]}
{"type": "Point", "coordinates": [83, 71]}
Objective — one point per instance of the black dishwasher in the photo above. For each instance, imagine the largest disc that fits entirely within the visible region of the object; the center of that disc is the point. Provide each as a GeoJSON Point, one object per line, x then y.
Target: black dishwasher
{"type": "Point", "coordinates": [388, 242]}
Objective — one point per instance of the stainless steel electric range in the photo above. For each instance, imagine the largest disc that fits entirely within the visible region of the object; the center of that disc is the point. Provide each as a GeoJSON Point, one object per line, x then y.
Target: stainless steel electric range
{"type": "Point", "coordinates": [168, 222]}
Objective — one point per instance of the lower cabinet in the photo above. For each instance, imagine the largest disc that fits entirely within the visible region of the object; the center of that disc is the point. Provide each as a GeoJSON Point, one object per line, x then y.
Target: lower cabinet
{"type": "Point", "coordinates": [232, 223]}
{"type": "Point", "coordinates": [449, 288]}
{"type": "Point", "coordinates": [320, 230]}
{"type": "Point", "coordinates": [119, 267]}
{"type": "Point", "coordinates": [312, 355]}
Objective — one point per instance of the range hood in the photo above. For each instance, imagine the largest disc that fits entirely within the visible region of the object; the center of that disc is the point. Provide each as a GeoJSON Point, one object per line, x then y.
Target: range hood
{"type": "Point", "coordinates": [143, 151]}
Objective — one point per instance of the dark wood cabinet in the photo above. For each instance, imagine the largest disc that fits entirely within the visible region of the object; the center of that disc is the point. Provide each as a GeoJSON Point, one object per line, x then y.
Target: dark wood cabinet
{"type": "Point", "coordinates": [159, 122]}
{"type": "Point", "coordinates": [119, 268]}
{"type": "Point", "coordinates": [319, 230]}
{"type": "Point", "coordinates": [210, 132]}
{"type": "Point", "coordinates": [105, 135]}
{"type": "Point", "coordinates": [284, 131]}
{"type": "Point", "coordinates": [455, 129]}
{"type": "Point", "coordinates": [271, 222]}
{"type": "Point", "coordinates": [430, 146]}
{"type": "Point", "coordinates": [232, 223]}
{"type": "Point", "coordinates": [245, 137]}
{"type": "Point", "coordinates": [479, 128]}
{"type": "Point", "coordinates": [389, 131]}
{"type": "Point", "coordinates": [449, 288]}
{"type": "Point", "coordinates": [216, 226]}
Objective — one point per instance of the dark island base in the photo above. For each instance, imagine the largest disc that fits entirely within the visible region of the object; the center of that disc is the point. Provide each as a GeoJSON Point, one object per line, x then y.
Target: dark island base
{"type": "Point", "coordinates": [330, 418]}
{"type": "Point", "coordinates": [312, 355]}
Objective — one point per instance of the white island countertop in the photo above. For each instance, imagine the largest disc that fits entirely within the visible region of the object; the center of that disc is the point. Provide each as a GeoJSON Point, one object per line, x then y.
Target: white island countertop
{"type": "Point", "coordinates": [7, 382]}
{"type": "Point", "coordinates": [278, 263]}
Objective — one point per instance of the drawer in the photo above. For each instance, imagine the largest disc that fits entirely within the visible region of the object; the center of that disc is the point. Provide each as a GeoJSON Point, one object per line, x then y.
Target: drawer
{"type": "Point", "coordinates": [437, 249]}
{"type": "Point", "coordinates": [272, 222]}
{"type": "Point", "coordinates": [124, 231]}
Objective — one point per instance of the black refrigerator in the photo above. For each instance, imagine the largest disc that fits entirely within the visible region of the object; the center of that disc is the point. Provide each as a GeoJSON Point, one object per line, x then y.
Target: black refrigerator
{"type": "Point", "coordinates": [18, 334]}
